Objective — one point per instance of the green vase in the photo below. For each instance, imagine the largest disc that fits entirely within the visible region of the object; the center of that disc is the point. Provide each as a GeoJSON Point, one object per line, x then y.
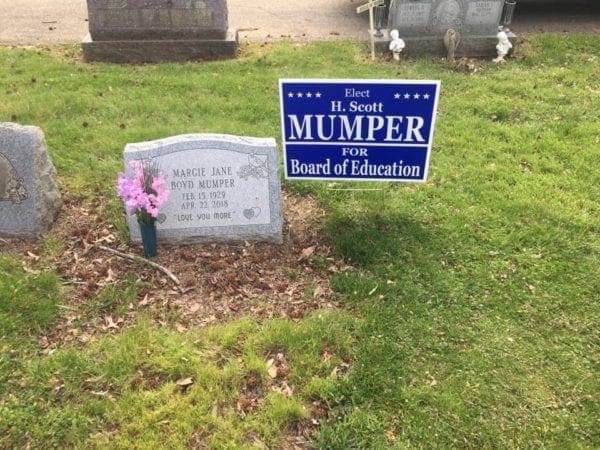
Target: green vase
{"type": "Point", "coordinates": [148, 231]}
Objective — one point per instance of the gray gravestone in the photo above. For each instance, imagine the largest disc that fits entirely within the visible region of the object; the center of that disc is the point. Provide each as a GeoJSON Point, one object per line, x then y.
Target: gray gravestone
{"type": "Point", "coordinates": [158, 30]}
{"type": "Point", "coordinates": [222, 188]}
{"type": "Point", "coordinates": [423, 24]}
{"type": "Point", "coordinates": [29, 197]}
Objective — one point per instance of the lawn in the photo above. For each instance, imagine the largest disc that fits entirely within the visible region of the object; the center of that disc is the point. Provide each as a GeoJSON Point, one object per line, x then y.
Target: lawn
{"type": "Point", "coordinates": [470, 304]}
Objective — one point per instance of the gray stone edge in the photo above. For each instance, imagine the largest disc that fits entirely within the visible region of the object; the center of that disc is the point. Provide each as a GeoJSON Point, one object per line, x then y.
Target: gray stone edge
{"type": "Point", "coordinates": [152, 51]}
{"type": "Point", "coordinates": [45, 186]}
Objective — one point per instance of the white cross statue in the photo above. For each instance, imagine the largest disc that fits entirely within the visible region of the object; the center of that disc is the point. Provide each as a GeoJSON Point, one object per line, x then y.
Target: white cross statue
{"type": "Point", "coordinates": [369, 6]}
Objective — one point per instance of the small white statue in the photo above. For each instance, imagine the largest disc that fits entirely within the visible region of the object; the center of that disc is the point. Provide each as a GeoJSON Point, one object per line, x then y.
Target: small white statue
{"type": "Point", "coordinates": [397, 44]}
{"type": "Point", "coordinates": [503, 46]}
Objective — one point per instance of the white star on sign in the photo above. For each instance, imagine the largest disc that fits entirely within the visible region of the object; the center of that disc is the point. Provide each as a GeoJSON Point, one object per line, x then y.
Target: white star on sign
{"type": "Point", "coordinates": [426, 96]}
{"type": "Point", "coordinates": [416, 96]}
{"type": "Point", "coordinates": [299, 94]}
{"type": "Point", "coordinates": [309, 95]}
{"type": "Point", "coordinates": [291, 95]}
{"type": "Point", "coordinates": [396, 96]}
{"type": "Point", "coordinates": [318, 95]}
{"type": "Point", "coordinates": [407, 96]}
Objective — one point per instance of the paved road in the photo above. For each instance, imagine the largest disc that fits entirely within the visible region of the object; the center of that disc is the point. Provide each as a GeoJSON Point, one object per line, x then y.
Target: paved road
{"type": "Point", "coordinates": [64, 21]}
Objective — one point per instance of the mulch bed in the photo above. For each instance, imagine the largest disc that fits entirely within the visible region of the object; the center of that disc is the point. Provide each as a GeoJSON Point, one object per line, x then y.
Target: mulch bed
{"type": "Point", "coordinates": [218, 282]}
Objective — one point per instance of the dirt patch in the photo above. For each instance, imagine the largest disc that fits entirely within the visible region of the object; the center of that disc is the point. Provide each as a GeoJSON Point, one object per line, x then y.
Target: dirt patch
{"type": "Point", "coordinates": [219, 282]}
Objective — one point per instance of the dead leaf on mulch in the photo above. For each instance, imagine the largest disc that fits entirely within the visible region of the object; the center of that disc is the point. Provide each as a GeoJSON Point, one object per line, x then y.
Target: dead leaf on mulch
{"type": "Point", "coordinates": [326, 355]}
{"type": "Point", "coordinates": [390, 435]}
{"type": "Point", "coordinates": [271, 368]}
{"type": "Point", "coordinates": [111, 324]}
{"type": "Point", "coordinates": [33, 256]}
{"type": "Point", "coordinates": [247, 405]}
{"type": "Point", "coordinates": [43, 342]}
{"type": "Point", "coordinates": [284, 389]}
{"type": "Point", "coordinates": [340, 370]}
{"type": "Point", "coordinates": [278, 367]}
{"type": "Point", "coordinates": [184, 383]}
{"type": "Point", "coordinates": [306, 253]}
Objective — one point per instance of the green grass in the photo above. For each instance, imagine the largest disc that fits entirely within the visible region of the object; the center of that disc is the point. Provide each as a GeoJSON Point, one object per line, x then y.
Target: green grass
{"type": "Point", "coordinates": [474, 307]}
{"type": "Point", "coordinates": [120, 392]}
{"type": "Point", "coordinates": [28, 304]}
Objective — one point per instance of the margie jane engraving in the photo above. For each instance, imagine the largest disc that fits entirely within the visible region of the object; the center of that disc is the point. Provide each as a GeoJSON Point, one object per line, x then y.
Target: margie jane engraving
{"type": "Point", "coordinates": [203, 193]}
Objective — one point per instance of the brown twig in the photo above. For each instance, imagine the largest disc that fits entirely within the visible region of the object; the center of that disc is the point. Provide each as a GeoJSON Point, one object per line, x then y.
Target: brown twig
{"type": "Point", "coordinates": [74, 282]}
{"type": "Point", "coordinates": [130, 257]}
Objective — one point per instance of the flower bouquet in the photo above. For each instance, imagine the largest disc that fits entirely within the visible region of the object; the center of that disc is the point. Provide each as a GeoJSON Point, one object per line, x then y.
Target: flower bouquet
{"type": "Point", "coordinates": [143, 195]}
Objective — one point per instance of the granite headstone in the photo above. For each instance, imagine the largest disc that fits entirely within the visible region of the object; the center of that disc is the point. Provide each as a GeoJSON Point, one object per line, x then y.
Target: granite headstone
{"type": "Point", "coordinates": [423, 25]}
{"type": "Point", "coordinates": [158, 30]}
{"type": "Point", "coordinates": [29, 196]}
{"type": "Point", "coordinates": [222, 188]}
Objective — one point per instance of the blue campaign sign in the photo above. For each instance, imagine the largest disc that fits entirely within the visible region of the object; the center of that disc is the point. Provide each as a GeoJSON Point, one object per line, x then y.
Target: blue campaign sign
{"type": "Point", "coordinates": [378, 130]}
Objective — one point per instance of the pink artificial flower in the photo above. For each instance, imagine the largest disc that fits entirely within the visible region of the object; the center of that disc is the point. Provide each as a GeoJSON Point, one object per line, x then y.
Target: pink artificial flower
{"type": "Point", "coordinates": [145, 192]}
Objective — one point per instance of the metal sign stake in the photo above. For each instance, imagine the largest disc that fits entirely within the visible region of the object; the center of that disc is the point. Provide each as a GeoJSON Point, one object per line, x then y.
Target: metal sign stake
{"type": "Point", "coordinates": [369, 6]}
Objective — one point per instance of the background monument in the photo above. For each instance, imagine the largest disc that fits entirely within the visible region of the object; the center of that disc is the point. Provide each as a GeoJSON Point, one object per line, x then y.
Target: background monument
{"type": "Point", "coordinates": [443, 27]}
{"type": "Point", "coordinates": [137, 31]}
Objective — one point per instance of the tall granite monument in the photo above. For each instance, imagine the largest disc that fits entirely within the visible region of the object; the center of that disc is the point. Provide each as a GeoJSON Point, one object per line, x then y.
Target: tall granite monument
{"type": "Point", "coordinates": [137, 31]}
{"type": "Point", "coordinates": [448, 27]}
{"type": "Point", "coordinates": [29, 196]}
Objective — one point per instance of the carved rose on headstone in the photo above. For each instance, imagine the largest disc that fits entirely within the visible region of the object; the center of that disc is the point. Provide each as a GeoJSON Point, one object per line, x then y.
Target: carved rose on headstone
{"type": "Point", "coordinates": [11, 185]}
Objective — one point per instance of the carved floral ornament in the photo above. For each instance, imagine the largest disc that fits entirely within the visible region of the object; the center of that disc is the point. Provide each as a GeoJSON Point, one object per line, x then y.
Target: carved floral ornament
{"type": "Point", "coordinates": [257, 167]}
{"type": "Point", "coordinates": [12, 188]}
{"type": "Point", "coordinates": [448, 14]}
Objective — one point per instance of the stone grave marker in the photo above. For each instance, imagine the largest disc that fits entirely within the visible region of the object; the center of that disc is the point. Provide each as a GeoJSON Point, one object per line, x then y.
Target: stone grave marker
{"type": "Point", "coordinates": [133, 31]}
{"type": "Point", "coordinates": [29, 196]}
{"type": "Point", "coordinates": [424, 24]}
{"type": "Point", "coordinates": [222, 188]}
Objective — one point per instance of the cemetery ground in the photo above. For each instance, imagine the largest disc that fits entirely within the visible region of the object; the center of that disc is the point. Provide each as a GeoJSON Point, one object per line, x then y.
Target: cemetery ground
{"type": "Point", "coordinates": [463, 312]}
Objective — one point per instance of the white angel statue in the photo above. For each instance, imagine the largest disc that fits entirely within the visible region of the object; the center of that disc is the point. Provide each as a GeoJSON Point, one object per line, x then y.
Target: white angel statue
{"type": "Point", "coordinates": [397, 44]}
{"type": "Point", "coordinates": [503, 46]}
